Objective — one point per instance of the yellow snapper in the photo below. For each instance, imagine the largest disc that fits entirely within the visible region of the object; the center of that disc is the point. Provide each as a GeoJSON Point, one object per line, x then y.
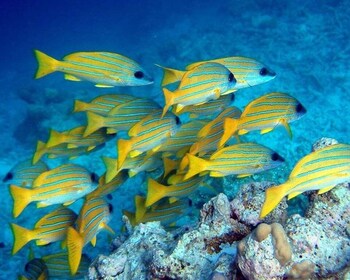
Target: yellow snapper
{"type": "Point", "coordinates": [264, 114]}
{"type": "Point", "coordinates": [58, 266]}
{"type": "Point", "coordinates": [320, 170]}
{"type": "Point", "coordinates": [93, 217]}
{"type": "Point", "coordinates": [102, 104]}
{"type": "Point", "coordinates": [122, 117]}
{"type": "Point", "coordinates": [24, 172]}
{"type": "Point", "coordinates": [179, 187]}
{"type": "Point", "coordinates": [248, 72]}
{"type": "Point", "coordinates": [63, 184]}
{"type": "Point", "coordinates": [207, 81]}
{"type": "Point", "coordinates": [50, 228]}
{"type": "Point", "coordinates": [105, 69]}
{"type": "Point", "coordinates": [35, 269]}
{"type": "Point", "coordinates": [74, 138]}
{"type": "Point", "coordinates": [241, 159]}
{"type": "Point", "coordinates": [134, 165]}
{"type": "Point", "coordinates": [148, 134]}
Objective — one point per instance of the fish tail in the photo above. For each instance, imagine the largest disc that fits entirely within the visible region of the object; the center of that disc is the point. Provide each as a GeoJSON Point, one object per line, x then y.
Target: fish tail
{"type": "Point", "coordinates": [140, 208]}
{"type": "Point", "coordinates": [94, 122]}
{"type": "Point", "coordinates": [171, 75]}
{"type": "Point", "coordinates": [46, 64]}
{"type": "Point", "coordinates": [124, 148]}
{"type": "Point", "coordinates": [169, 100]}
{"type": "Point", "coordinates": [21, 237]}
{"type": "Point", "coordinates": [111, 168]}
{"type": "Point", "coordinates": [273, 196]}
{"type": "Point", "coordinates": [55, 138]}
{"type": "Point", "coordinates": [230, 127]}
{"type": "Point", "coordinates": [21, 198]}
{"type": "Point", "coordinates": [155, 192]}
{"type": "Point", "coordinates": [196, 165]}
{"type": "Point", "coordinates": [183, 163]}
{"type": "Point", "coordinates": [75, 244]}
{"type": "Point", "coordinates": [40, 151]}
{"type": "Point", "coordinates": [80, 106]}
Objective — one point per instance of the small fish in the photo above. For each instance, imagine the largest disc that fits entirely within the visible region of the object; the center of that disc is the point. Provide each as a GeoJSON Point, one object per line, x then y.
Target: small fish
{"type": "Point", "coordinates": [93, 217]}
{"type": "Point", "coordinates": [320, 170]}
{"type": "Point", "coordinates": [35, 269]}
{"type": "Point", "coordinates": [148, 134]}
{"type": "Point", "coordinates": [179, 187]}
{"type": "Point", "coordinates": [24, 172]}
{"type": "Point", "coordinates": [134, 165]}
{"type": "Point", "coordinates": [58, 266]}
{"type": "Point", "coordinates": [241, 159]}
{"type": "Point", "coordinates": [208, 109]}
{"type": "Point", "coordinates": [102, 104]}
{"type": "Point", "coordinates": [248, 72]}
{"type": "Point", "coordinates": [105, 188]}
{"type": "Point", "coordinates": [206, 82]}
{"type": "Point", "coordinates": [50, 228]}
{"type": "Point", "coordinates": [122, 117]}
{"type": "Point", "coordinates": [74, 138]}
{"type": "Point", "coordinates": [63, 184]}
{"type": "Point", "coordinates": [105, 69]}
{"type": "Point", "coordinates": [264, 114]}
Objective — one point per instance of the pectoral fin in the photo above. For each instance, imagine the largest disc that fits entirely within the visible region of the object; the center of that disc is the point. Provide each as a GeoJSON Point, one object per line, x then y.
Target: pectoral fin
{"type": "Point", "coordinates": [71, 78]}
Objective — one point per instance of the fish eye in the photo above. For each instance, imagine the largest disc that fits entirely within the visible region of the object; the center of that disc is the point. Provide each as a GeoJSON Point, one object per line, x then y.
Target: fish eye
{"type": "Point", "coordinates": [94, 177]}
{"type": "Point", "coordinates": [300, 108]}
{"type": "Point", "coordinates": [233, 97]}
{"type": "Point", "coordinates": [276, 157]}
{"type": "Point", "coordinates": [109, 196]}
{"type": "Point", "coordinates": [177, 119]}
{"type": "Point", "coordinates": [110, 208]}
{"type": "Point", "coordinates": [139, 75]}
{"type": "Point", "coordinates": [263, 71]}
{"type": "Point", "coordinates": [231, 78]}
{"type": "Point", "coordinates": [9, 176]}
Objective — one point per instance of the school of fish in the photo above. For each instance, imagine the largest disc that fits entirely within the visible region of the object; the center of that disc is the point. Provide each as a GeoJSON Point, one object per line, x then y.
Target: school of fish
{"type": "Point", "coordinates": [194, 136]}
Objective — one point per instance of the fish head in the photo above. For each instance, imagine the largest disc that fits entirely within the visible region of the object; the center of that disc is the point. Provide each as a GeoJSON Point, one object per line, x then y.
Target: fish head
{"type": "Point", "coordinates": [257, 74]}
{"type": "Point", "coordinates": [299, 110]}
{"type": "Point", "coordinates": [136, 76]}
{"type": "Point", "coordinates": [269, 160]}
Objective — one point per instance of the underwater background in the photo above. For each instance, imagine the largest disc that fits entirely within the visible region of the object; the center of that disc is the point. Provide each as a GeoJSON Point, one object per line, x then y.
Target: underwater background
{"type": "Point", "coordinates": [305, 43]}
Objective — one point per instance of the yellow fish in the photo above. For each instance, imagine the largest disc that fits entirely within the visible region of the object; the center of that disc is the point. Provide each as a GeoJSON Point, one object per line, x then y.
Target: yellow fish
{"type": "Point", "coordinates": [102, 104]}
{"type": "Point", "coordinates": [105, 69]}
{"type": "Point", "coordinates": [320, 170]}
{"type": "Point", "coordinates": [148, 134]}
{"type": "Point", "coordinates": [93, 217]}
{"type": "Point", "coordinates": [241, 159]}
{"type": "Point", "coordinates": [122, 117]}
{"type": "Point", "coordinates": [24, 172]}
{"type": "Point", "coordinates": [207, 81]}
{"type": "Point", "coordinates": [50, 228]}
{"type": "Point", "coordinates": [248, 72]}
{"type": "Point", "coordinates": [264, 114]}
{"type": "Point", "coordinates": [63, 184]}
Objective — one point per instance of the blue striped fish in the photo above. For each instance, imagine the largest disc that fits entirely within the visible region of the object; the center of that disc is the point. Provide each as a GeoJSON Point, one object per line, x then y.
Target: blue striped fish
{"type": "Point", "coordinates": [35, 269]}
{"type": "Point", "coordinates": [206, 82]}
{"type": "Point", "coordinates": [102, 104]}
{"type": "Point", "coordinates": [50, 228]}
{"type": "Point", "coordinates": [264, 114]}
{"type": "Point", "coordinates": [93, 217]}
{"type": "Point", "coordinates": [105, 69]}
{"type": "Point", "coordinates": [24, 172]}
{"type": "Point", "coordinates": [147, 135]}
{"type": "Point", "coordinates": [241, 159]}
{"type": "Point", "coordinates": [248, 72]}
{"type": "Point", "coordinates": [63, 184]}
{"type": "Point", "coordinates": [122, 117]}
{"type": "Point", "coordinates": [320, 170]}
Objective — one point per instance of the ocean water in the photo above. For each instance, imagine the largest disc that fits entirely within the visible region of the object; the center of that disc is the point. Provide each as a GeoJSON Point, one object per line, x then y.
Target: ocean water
{"type": "Point", "coordinates": [305, 43]}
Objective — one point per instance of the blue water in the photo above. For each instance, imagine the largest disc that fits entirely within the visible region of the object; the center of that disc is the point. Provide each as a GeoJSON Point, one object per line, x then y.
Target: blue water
{"type": "Point", "coordinates": [306, 44]}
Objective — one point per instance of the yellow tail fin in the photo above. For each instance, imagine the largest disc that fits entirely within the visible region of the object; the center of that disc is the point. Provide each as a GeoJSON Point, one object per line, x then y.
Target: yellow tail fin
{"type": "Point", "coordinates": [94, 122]}
{"type": "Point", "coordinates": [80, 106]}
{"type": "Point", "coordinates": [230, 127]}
{"type": "Point", "coordinates": [21, 237]}
{"type": "Point", "coordinates": [169, 100]}
{"type": "Point", "coordinates": [273, 196]}
{"type": "Point", "coordinates": [55, 138]}
{"type": "Point", "coordinates": [196, 165]}
{"type": "Point", "coordinates": [46, 64]}
{"type": "Point", "coordinates": [111, 168]}
{"type": "Point", "coordinates": [124, 148]}
{"type": "Point", "coordinates": [75, 244]}
{"type": "Point", "coordinates": [171, 75]}
{"type": "Point", "coordinates": [21, 198]}
{"type": "Point", "coordinates": [40, 151]}
{"type": "Point", "coordinates": [155, 192]}
{"type": "Point", "coordinates": [140, 208]}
